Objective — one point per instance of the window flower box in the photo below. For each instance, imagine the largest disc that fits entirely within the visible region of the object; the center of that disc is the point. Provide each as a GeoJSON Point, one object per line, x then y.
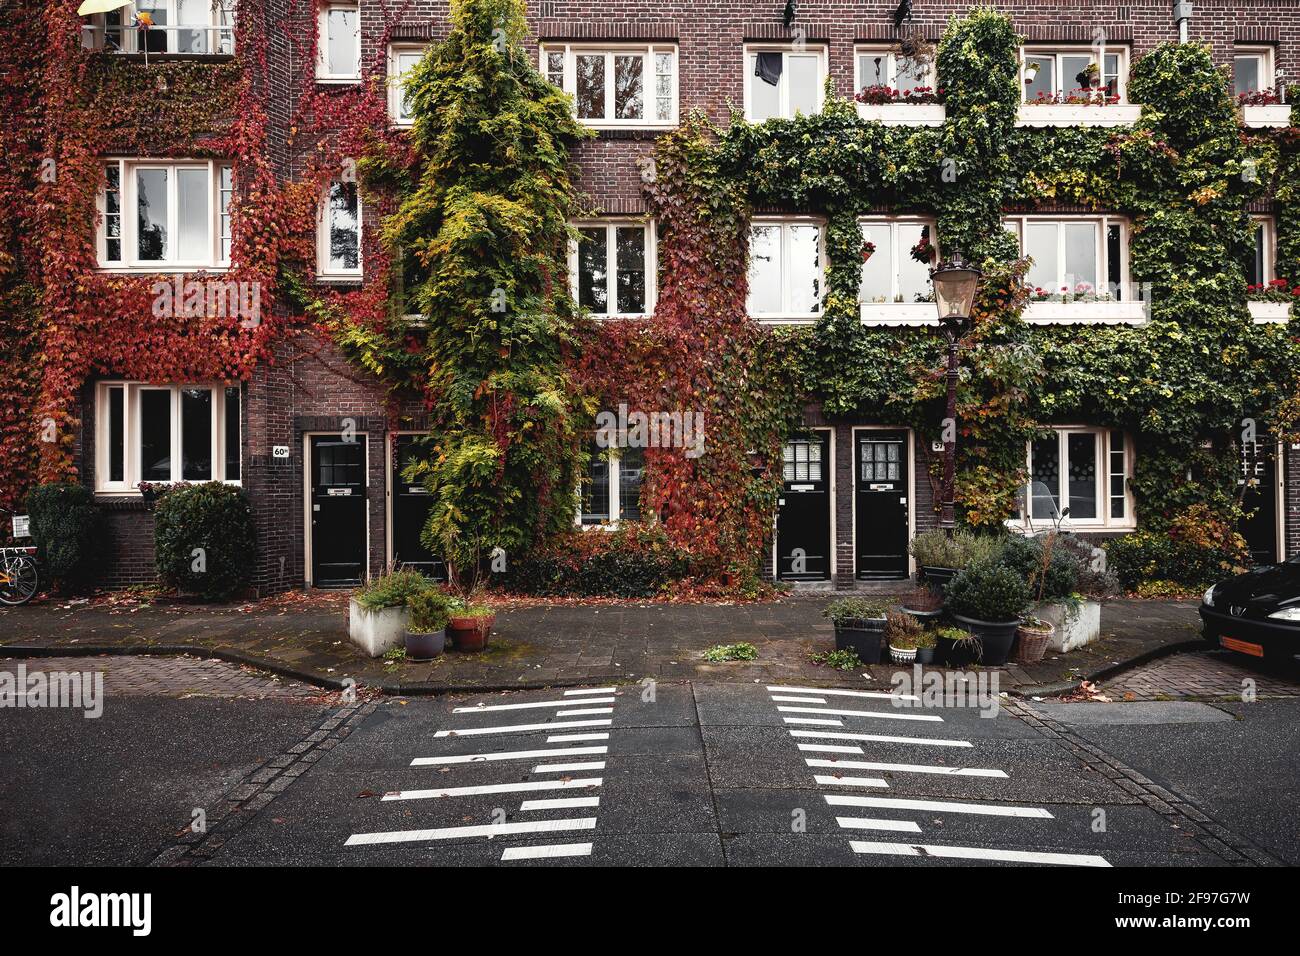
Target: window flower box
{"type": "Point", "coordinates": [903, 114]}
{"type": "Point", "coordinates": [1261, 311]}
{"type": "Point", "coordinates": [1103, 312]}
{"type": "Point", "coordinates": [899, 313]}
{"type": "Point", "coordinates": [1276, 114]}
{"type": "Point", "coordinates": [1077, 114]}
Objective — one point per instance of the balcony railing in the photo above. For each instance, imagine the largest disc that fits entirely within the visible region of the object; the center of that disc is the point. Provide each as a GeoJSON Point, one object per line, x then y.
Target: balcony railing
{"type": "Point", "coordinates": [197, 39]}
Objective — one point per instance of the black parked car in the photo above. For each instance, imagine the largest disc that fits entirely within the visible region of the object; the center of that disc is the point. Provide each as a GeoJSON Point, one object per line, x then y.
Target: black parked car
{"type": "Point", "coordinates": [1256, 613]}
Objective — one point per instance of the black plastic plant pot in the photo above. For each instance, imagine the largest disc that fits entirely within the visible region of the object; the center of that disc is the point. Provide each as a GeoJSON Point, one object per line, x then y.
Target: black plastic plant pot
{"type": "Point", "coordinates": [952, 653]}
{"type": "Point", "coordinates": [938, 578]}
{"type": "Point", "coordinates": [996, 638]}
{"type": "Point", "coordinates": [924, 618]}
{"type": "Point", "coordinates": [865, 637]}
{"type": "Point", "coordinates": [925, 655]}
{"type": "Point", "coordinates": [424, 646]}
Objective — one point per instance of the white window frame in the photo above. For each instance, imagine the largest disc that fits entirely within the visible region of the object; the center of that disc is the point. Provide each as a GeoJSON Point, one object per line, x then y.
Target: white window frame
{"type": "Point", "coordinates": [614, 456]}
{"type": "Point", "coordinates": [750, 49]}
{"type": "Point", "coordinates": [611, 259]}
{"type": "Point", "coordinates": [649, 88]}
{"type": "Point", "coordinates": [323, 268]}
{"type": "Point", "coordinates": [1105, 471]}
{"type": "Point", "coordinates": [1270, 244]}
{"type": "Point", "coordinates": [786, 314]}
{"type": "Point", "coordinates": [914, 312]}
{"type": "Point", "coordinates": [1098, 54]}
{"type": "Point", "coordinates": [131, 434]}
{"type": "Point", "coordinates": [323, 75]}
{"type": "Point", "coordinates": [1267, 74]}
{"type": "Point", "coordinates": [891, 57]}
{"type": "Point", "coordinates": [396, 89]}
{"type": "Point", "coordinates": [1103, 222]}
{"type": "Point", "coordinates": [129, 225]}
{"type": "Point", "coordinates": [219, 29]}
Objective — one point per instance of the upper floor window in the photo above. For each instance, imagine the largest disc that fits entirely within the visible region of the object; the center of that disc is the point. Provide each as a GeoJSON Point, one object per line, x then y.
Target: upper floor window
{"type": "Point", "coordinates": [781, 81]}
{"type": "Point", "coordinates": [339, 237]}
{"type": "Point", "coordinates": [611, 489]}
{"type": "Point", "coordinates": [897, 256]}
{"type": "Point", "coordinates": [170, 26]}
{"type": "Point", "coordinates": [1252, 75]}
{"type": "Point", "coordinates": [1079, 258]}
{"type": "Point", "coordinates": [164, 214]}
{"type": "Point", "coordinates": [885, 67]}
{"type": "Point", "coordinates": [339, 43]}
{"type": "Point", "coordinates": [1084, 470]}
{"type": "Point", "coordinates": [1263, 238]}
{"type": "Point", "coordinates": [1075, 74]}
{"type": "Point", "coordinates": [785, 269]}
{"type": "Point", "coordinates": [621, 85]}
{"type": "Point", "coordinates": [612, 266]}
{"type": "Point", "coordinates": [402, 58]}
{"type": "Point", "coordinates": [165, 433]}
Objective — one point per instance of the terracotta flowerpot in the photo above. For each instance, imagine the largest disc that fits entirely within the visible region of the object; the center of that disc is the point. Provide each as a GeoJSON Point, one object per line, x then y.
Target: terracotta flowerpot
{"type": "Point", "coordinates": [470, 633]}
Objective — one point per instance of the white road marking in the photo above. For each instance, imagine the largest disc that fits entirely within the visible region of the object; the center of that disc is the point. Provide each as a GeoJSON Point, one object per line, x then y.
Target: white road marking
{"type": "Point", "coordinates": [867, 823]}
{"type": "Point", "coordinates": [936, 806]}
{"type": "Point", "coordinates": [977, 853]}
{"type": "Point", "coordinates": [520, 728]}
{"type": "Point", "coordinates": [884, 714]}
{"type": "Point", "coordinates": [506, 755]}
{"type": "Point", "coordinates": [831, 748]}
{"type": "Point", "coordinates": [904, 767]}
{"type": "Point", "coordinates": [842, 693]}
{"type": "Point", "coordinates": [814, 720]}
{"type": "Point", "coordinates": [563, 767]}
{"type": "Point", "coordinates": [828, 781]}
{"type": "Point", "coordinates": [524, 787]}
{"type": "Point", "coordinates": [584, 712]}
{"type": "Point", "coordinates": [565, 738]}
{"type": "Point", "coordinates": [483, 829]}
{"type": "Point", "coordinates": [799, 700]}
{"type": "Point", "coordinates": [578, 692]}
{"type": "Point", "coordinates": [881, 738]}
{"type": "Point", "coordinates": [486, 708]}
{"type": "Point", "coordinates": [560, 803]}
{"type": "Point", "coordinates": [546, 852]}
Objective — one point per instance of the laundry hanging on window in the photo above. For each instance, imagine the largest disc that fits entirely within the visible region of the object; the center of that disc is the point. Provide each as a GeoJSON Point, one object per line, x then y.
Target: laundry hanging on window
{"type": "Point", "coordinates": [768, 66]}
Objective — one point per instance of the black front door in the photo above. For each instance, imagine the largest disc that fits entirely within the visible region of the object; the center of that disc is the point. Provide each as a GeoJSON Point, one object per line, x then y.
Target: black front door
{"type": "Point", "coordinates": [1258, 483]}
{"type": "Point", "coordinates": [803, 520]}
{"type": "Point", "coordinates": [338, 511]}
{"type": "Point", "coordinates": [410, 511]}
{"type": "Point", "coordinates": [880, 488]}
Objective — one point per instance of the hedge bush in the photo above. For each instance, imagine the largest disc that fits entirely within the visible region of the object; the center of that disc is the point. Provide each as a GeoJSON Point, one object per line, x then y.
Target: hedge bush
{"type": "Point", "coordinates": [65, 525]}
{"type": "Point", "coordinates": [203, 539]}
{"type": "Point", "coordinates": [1025, 556]}
{"type": "Point", "coordinates": [633, 561]}
{"type": "Point", "coordinates": [1146, 556]}
{"type": "Point", "coordinates": [988, 592]}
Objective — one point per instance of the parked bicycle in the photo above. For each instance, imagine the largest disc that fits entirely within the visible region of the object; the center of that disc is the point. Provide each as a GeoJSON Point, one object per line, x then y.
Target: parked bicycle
{"type": "Point", "coordinates": [19, 575]}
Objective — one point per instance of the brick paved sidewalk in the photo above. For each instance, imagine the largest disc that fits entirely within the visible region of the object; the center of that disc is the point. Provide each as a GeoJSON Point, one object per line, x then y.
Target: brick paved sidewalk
{"type": "Point", "coordinates": [1205, 674]}
{"type": "Point", "coordinates": [178, 676]}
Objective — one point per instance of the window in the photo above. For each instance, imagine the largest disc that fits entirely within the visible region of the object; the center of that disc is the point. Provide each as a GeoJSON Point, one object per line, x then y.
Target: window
{"type": "Point", "coordinates": [611, 490]}
{"type": "Point", "coordinates": [402, 57]}
{"type": "Point", "coordinates": [801, 460]}
{"type": "Point", "coordinates": [898, 269]}
{"type": "Point", "coordinates": [203, 27]}
{"type": "Point", "coordinates": [1252, 70]}
{"type": "Point", "coordinates": [780, 81]}
{"type": "Point", "coordinates": [616, 86]}
{"type": "Point", "coordinates": [1077, 74]}
{"type": "Point", "coordinates": [612, 266]}
{"type": "Point", "coordinates": [339, 241]}
{"type": "Point", "coordinates": [339, 45]}
{"type": "Point", "coordinates": [1261, 265]}
{"type": "Point", "coordinates": [785, 269]}
{"type": "Point", "coordinates": [1083, 258]}
{"type": "Point", "coordinates": [166, 433]}
{"type": "Point", "coordinates": [881, 66]}
{"type": "Point", "coordinates": [1085, 470]}
{"type": "Point", "coordinates": [157, 214]}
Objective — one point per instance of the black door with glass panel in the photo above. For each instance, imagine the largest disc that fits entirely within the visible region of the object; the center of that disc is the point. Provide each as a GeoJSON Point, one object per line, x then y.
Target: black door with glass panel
{"type": "Point", "coordinates": [803, 518]}
{"type": "Point", "coordinates": [338, 511]}
{"type": "Point", "coordinates": [881, 492]}
{"type": "Point", "coordinates": [410, 511]}
{"type": "Point", "coordinates": [1258, 484]}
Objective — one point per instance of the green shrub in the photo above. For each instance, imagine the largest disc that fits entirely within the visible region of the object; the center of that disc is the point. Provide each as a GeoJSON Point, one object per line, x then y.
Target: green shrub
{"type": "Point", "coordinates": [988, 592]}
{"type": "Point", "coordinates": [430, 611]}
{"type": "Point", "coordinates": [934, 549]}
{"type": "Point", "coordinates": [902, 628]}
{"type": "Point", "coordinates": [850, 612]}
{"type": "Point", "coordinates": [636, 560]}
{"type": "Point", "coordinates": [742, 651]}
{"type": "Point", "coordinates": [203, 539]}
{"type": "Point", "coordinates": [65, 526]}
{"type": "Point", "coordinates": [1148, 556]}
{"type": "Point", "coordinates": [1025, 556]}
{"type": "Point", "coordinates": [845, 660]}
{"type": "Point", "coordinates": [394, 589]}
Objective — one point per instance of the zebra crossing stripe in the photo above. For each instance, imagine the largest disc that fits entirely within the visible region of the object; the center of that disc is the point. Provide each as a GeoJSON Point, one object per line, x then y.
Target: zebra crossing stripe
{"type": "Point", "coordinates": [881, 738]}
{"type": "Point", "coordinates": [883, 714]}
{"type": "Point", "coordinates": [877, 695]}
{"type": "Point", "coordinates": [565, 767]}
{"type": "Point", "coordinates": [565, 738]}
{"type": "Point", "coordinates": [869, 823]}
{"type": "Point", "coordinates": [584, 712]}
{"type": "Point", "coordinates": [798, 700]}
{"type": "Point", "coordinates": [977, 853]}
{"type": "Point", "coordinates": [534, 705]}
{"type": "Point", "coordinates": [831, 748]}
{"type": "Point", "coordinates": [524, 787]}
{"type": "Point", "coordinates": [820, 721]}
{"type": "Point", "coordinates": [506, 755]}
{"type": "Point", "coordinates": [546, 851]}
{"type": "Point", "coordinates": [936, 806]}
{"type": "Point", "coordinates": [579, 692]}
{"type": "Point", "coordinates": [560, 803]}
{"type": "Point", "coordinates": [828, 781]}
{"type": "Point", "coordinates": [482, 829]}
{"type": "Point", "coordinates": [903, 767]}
{"type": "Point", "coordinates": [521, 728]}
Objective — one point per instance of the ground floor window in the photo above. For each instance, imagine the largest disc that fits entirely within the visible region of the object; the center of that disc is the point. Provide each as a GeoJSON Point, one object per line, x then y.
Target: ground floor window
{"type": "Point", "coordinates": [165, 433]}
{"type": "Point", "coordinates": [611, 489]}
{"type": "Point", "coordinates": [1084, 470]}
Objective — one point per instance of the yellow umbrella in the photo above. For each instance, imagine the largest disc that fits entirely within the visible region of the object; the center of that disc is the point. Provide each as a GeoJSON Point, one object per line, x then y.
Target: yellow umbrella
{"type": "Point", "coordinates": [99, 6]}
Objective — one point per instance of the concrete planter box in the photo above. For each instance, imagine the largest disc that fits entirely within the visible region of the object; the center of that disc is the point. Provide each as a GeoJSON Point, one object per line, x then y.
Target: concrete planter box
{"type": "Point", "coordinates": [903, 114]}
{"type": "Point", "coordinates": [1270, 311]}
{"type": "Point", "coordinates": [1277, 114]}
{"type": "Point", "coordinates": [1077, 114]}
{"type": "Point", "coordinates": [377, 632]}
{"type": "Point", "coordinates": [1100, 313]}
{"type": "Point", "coordinates": [1074, 626]}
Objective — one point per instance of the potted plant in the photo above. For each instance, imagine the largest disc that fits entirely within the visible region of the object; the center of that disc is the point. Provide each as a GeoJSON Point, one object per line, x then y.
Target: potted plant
{"type": "Point", "coordinates": [904, 651]}
{"type": "Point", "coordinates": [925, 644]}
{"type": "Point", "coordinates": [987, 599]}
{"type": "Point", "coordinates": [956, 646]}
{"type": "Point", "coordinates": [940, 557]}
{"type": "Point", "coordinates": [377, 612]}
{"type": "Point", "coordinates": [469, 625]}
{"type": "Point", "coordinates": [923, 604]}
{"type": "Point", "coordinates": [1032, 638]}
{"type": "Point", "coordinates": [859, 625]}
{"type": "Point", "coordinates": [902, 630]}
{"type": "Point", "coordinates": [426, 634]}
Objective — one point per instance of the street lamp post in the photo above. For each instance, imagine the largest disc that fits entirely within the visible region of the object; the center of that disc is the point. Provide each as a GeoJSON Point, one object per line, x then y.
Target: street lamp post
{"type": "Point", "coordinates": [955, 285]}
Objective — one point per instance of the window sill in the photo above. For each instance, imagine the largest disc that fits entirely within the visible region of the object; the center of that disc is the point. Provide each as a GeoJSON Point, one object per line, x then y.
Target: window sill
{"type": "Point", "coordinates": [903, 114]}
{"type": "Point", "coordinates": [899, 313]}
{"type": "Point", "coordinates": [336, 80]}
{"type": "Point", "coordinates": [1269, 312]}
{"type": "Point", "coordinates": [161, 269]}
{"type": "Point", "coordinates": [1085, 313]}
{"type": "Point", "coordinates": [1080, 527]}
{"type": "Point", "coordinates": [787, 319]}
{"type": "Point", "coordinates": [354, 278]}
{"type": "Point", "coordinates": [214, 58]}
{"type": "Point", "coordinates": [1064, 114]}
{"type": "Point", "coordinates": [1259, 116]}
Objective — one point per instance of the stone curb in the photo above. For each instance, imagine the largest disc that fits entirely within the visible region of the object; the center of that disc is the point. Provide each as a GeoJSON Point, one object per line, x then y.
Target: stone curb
{"type": "Point", "coordinates": [1110, 670]}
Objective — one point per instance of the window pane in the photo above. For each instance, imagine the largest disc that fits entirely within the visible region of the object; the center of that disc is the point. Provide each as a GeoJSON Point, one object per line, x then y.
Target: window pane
{"type": "Point", "coordinates": [1073, 78]}
{"type": "Point", "coordinates": [1082, 456]}
{"type": "Point", "coordinates": [155, 435]}
{"type": "Point", "coordinates": [630, 253]}
{"type": "Point", "coordinates": [192, 13]}
{"type": "Point", "coordinates": [1040, 245]}
{"type": "Point", "coordinates": [113, 213]}
{"type": "Point", "coordinates": [593, 266]}
{"type": "Point", "coordinates": [801, 74]}
{"type": "Point", "coordinates": [151, 208]}
{"type": "Point", "coordinates": [805, 270]}
{"type": "Point", "coordinates": [155, 41]}
{"type": "Point", "coordinates": [232, 433]}
{"type": "Point", "coordinates": [663, 86]}
{"type": "Point", "coordinates": [405, 63]}
{"type": "Point", "coordinates": [196, 434]}
{"type": "Point", "coordinates": [629, 87]}
{"type": "Point", "coordinates": [1045, 478]}
{"type": "Point", "coordinates": [631, 466]}
{"type": "Point", "coordinates": [1081, 256]}
{"type": "Point", "coordinates": [192, 218]}
{"type": "Point", "coordinates": [764, 97]}
{"type": "Point", "coordinates": [344, 228]}
{"type": "Point", "coordinates": [342, 41]}
{"type": "Point", "coordinates": [913, 276]}
{"type": "Point", "coordinates": [227, 191]}
{"type": "Point", "coordinates": [877, 271]}
{"type": "Point", "coordinates": [595, 489]}
{"type": "Point", "coordinates": [555, 68]}
{"type": "Point", "coordinates": [590, 77]}
{"type": "Point", "coordinates": [1042, 83]}
{"type": "Point", "coordinates": [1115, 262]}
{"type": "Point", "coordinates": [1257, 276]}
{"type": "Point", "coordinates": [764, 270]}
{"type": "Point", "coordinates": [1245, 74]}
{"type": "Point", "coordinates": [116, 434]}
{"type": "Point", "coordinates": [1118, 499]}
{"type": "Point", "coordinates": [1110, 74]}
{"type": "Point", "coordinates": [911, 74]}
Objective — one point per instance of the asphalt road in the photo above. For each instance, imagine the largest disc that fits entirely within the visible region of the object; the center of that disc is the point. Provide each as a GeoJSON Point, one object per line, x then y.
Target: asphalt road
{"type": "Point", "coordinates": [690, 774]}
